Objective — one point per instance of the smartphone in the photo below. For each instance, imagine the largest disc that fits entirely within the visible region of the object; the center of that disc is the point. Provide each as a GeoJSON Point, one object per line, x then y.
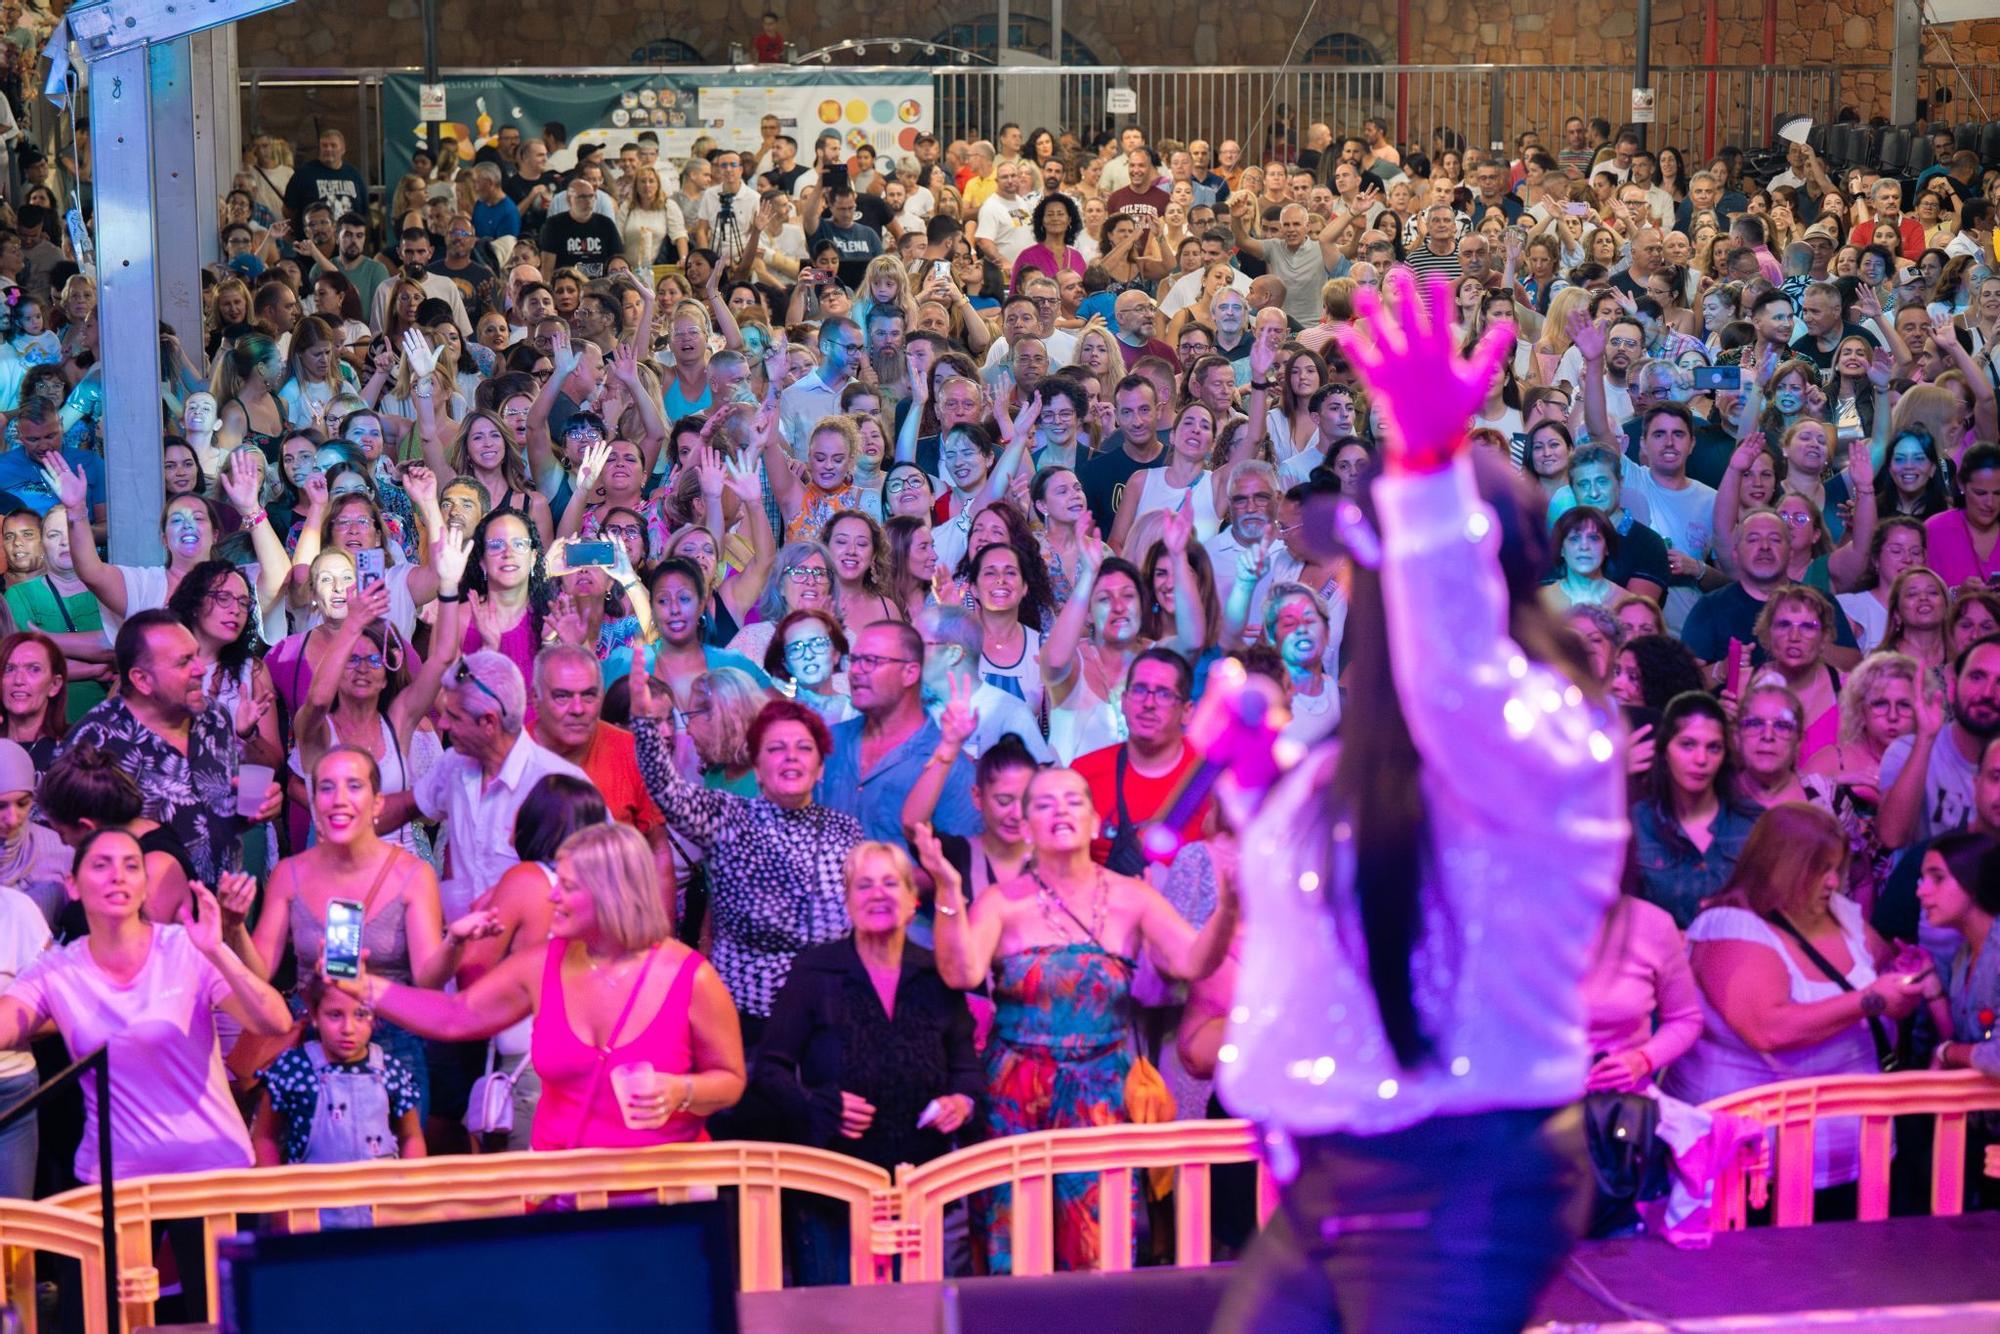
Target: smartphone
{"type": "Point", "coordinates": [1576, 210]}
{"type": "Point", "coordinates": [343, 938]}
{"type": "Point", "coordinates": [368, 568]}
{"type": "Point", "coordinates": [580, 554]}
{"type": "Point", "coordinates": [1711, 378]}
{"type": "Point", "coordinates": [833, 175]}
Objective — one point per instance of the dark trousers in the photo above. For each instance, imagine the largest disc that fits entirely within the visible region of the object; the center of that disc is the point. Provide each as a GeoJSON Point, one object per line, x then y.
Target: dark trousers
{"type": "Point", "coordinates": [1456, 1223]}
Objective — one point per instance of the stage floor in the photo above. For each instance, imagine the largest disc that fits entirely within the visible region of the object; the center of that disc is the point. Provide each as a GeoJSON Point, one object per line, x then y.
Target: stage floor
{"type": "Point", "coordinates": [1917, 1274]}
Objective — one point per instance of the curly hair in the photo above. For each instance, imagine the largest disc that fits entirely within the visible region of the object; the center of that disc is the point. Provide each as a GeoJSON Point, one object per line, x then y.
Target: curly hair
{"type": "Point", "coordinates": [540, 593]}
{"type": "Point", "coordinates": [194, 590]}
{"type": "Point", "coordinates": [1667, 668]}
{"type": "Point", "coordinates": [874, 578]}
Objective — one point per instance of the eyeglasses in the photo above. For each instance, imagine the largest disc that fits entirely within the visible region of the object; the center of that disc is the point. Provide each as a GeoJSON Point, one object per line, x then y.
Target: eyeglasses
{"type": "Point", "coordinates": [373, 660]}
{"type": "Point", "coordinates": [464, 677]}
{"type": "Point", "coordinates": [1795, 519]}
{"type": "Point", "coordinates": [352, 523]}
{"type": "Point", "coordinates": [629, 532]}
{"type": "Point", "coordinates": [1769, 726]}
{"type": "Point", "coordinates": [846, 346]}
{"type": "Point", "coordinates": [1890, 706]}
{"type": "Point", "coordinates": [810, 648]}
{"type": "Point", "coordinates": [1255, 498]}
{"type": "Point", "coordinates": [1156, 694]}
{"type": "Point", "coordinates": [907, 484]}
{"type": "Point", "coordinates": [223, 598]}
{"type": "Point", "coordinates": [1795, 627]}
{"type": "Point", "coordinates": [869, 662]}
{"type": "Point", "coordinates": [500, 546]}
{"type": "Point", "coordinates": [806, 574]}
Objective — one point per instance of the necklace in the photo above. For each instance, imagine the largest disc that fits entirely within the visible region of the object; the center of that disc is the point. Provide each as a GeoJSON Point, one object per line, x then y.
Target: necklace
{"type": "Point", "coordinates": [1050, 902]}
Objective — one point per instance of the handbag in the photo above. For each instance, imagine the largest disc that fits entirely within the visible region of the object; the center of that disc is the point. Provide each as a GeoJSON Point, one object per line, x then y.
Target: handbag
{"type": "Point", "coordinates": [1886, 1054]}
{"type": "Point", "coordinates": [489, 1108]}
{"type": "Point", "coordinates": [1628, 1159]}
{"type": "Point", "coordinates": [1127, 855]}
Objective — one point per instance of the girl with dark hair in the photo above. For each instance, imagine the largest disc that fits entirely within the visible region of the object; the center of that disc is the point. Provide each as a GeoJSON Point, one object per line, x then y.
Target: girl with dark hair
{"type": "Point", "coordinates": [555, 807]}
{"type": "Point", "coordinates": [1447, 1093]}
{"type": "Point", "coordinates": [506, 590]}
{"type": "Point", "coordinates": [913, 561]}
{"type": "Point", "coordinates": [216, 603]}
{"type": "Point", "coordinates": [1652, 669]}
{"type": "Point", "coordinates": [1959, 889]}
{"type": "Point", "coordinates": [1912, 477]}
{"type": "Point", "coordinates": [861, 569]}
{"type": "Point", "coordinates": [1690, 823]}
{"type": "Point", "coordinates": [86, 790]}
{"type": "Point", "coordinates": [34, 694]}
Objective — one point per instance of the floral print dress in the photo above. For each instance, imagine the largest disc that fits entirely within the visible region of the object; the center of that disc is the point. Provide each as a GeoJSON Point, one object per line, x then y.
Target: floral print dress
{"type": "Point", "coordinates": [1057, 1059]}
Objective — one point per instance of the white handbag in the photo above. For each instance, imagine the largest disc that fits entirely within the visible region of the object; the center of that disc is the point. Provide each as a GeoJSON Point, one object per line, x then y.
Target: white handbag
{"type": "Point", "coordinates": [489, 1110]}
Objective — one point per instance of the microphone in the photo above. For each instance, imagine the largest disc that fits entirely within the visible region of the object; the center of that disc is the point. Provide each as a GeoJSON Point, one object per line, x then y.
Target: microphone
{"type": "Point", "coordinates": [1235, 730]}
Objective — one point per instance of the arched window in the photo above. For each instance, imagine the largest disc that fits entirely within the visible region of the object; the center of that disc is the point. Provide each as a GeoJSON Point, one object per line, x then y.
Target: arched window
{"type": "Point", "coordinates": [1025, 32]}
{"type": "Point", "coordinates": [666, 51]}
{"type": "Point", "coordinates": [1341, 99]}
{"type": "Point", "coordinates": [1342, 48]}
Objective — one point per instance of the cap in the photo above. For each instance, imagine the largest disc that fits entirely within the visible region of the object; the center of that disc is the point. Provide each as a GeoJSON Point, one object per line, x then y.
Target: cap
{"type": "Point", "coordinates": [1823, 231]}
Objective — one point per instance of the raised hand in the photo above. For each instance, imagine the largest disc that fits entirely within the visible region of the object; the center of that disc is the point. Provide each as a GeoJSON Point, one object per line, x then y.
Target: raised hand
{"type": "Point", "coordinates": [930, 856]}
{"type": "Point", "coordinates": [765, 422]}
{"type": "Point", "coordinates": [1860, 465]}
{"type": "Point", "coordinates": [959, 720]}
{"type": "Point", "coordinates": [69, 485]}
{"type": "Point", "coordinates": [486, 620]}
{"type": "Point", "coordinates": [1746, 451]}
{"type": "Point", "coordinates": [365, 606]}
{"type": "Point", "coordinates": [201, 918]}
{"type": "Point", "coordinates": [625, 363]}
{"type": "Point", "coordinates": [449, 555]}
{"type": "Point", "coordinates": [1406, 358]}
{"type": "Point", "coordinates": [646, 702]}
{"type": "Point", "coordinates": [563, 352]}
{"type": "Point", "coordinates": [708, 466]}
{"type": "Point", "coordinates": [420, 483]}
{"type": "Point", "coordinates": [567, 620]}
{"type": "Point", "coordinates": [1263, 356]}
{"type": "Point", "coordinates": [592, 466]}
{"type": "Point", "coordinates": [251, 706]}
{"type": "Point", "coordinates": [316, 493]}
{"type": "Point", "coordinates": [1178, 530]}
{"type": "Point", "coordinates": [241, 478]}
{"type": "Point", "coordinates": [743, 482]}
{"type": "Point", "coordinates": [1025, 419]}
{"type": "Point", "coordinates": [417, 350]}
{"type": "Point", "coordinates": [1880, 367]}
{"type": "Point", "coordinates": [237, 893]}
{"type": "Point", "coordinates": [1588, 338]}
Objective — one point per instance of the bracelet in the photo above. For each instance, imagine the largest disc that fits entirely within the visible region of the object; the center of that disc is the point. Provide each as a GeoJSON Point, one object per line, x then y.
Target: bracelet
{"type": "Point", "coordinates": [935, 758]}
{"type": "Point", "coordinates": [687, 1098]}
{"type": "Point", "coordinates": [450, 597]}
{"type": "Point", "coordinates": [1265, 385]}
{"type": "Point", "coordinates": [944, 909]}
{"type": "Point", "coordinates": [253, 518]}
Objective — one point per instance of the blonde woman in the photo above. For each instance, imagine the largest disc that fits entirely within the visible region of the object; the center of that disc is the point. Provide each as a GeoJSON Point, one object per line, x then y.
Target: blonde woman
{"type": "Point", "coordinates": [400, 401]}
{"type": "Point", "coordinates": [314, 373]}
{"type": "Point", "coordinates": [651, 220]}
{"type": "Point", "coordinates": [1549, 349]}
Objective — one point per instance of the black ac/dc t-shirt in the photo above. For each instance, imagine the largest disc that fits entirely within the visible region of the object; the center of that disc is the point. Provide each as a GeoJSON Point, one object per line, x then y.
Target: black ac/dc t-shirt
{"type": "Point", "coordinates": [588, 245]}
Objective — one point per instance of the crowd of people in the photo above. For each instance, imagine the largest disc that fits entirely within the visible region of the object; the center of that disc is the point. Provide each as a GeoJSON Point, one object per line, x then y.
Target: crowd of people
{"type": "Point", "coordinates": [727, 624]}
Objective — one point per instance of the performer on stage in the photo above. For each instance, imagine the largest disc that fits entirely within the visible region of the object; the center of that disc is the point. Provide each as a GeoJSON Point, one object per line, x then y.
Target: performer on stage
{"type": "Point", "coordinates": [1408, 1029]}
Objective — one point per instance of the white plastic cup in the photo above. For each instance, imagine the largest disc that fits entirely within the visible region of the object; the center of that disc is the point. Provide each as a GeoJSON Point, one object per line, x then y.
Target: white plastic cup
{"type": "Point", "coordinates": [253, 781]}
{"type": "Point", "coordinates": [635, 1078]}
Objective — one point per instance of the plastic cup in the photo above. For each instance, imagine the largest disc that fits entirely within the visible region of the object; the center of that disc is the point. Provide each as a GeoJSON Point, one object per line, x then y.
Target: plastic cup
{"type": "Point", "coordinates": [635, 1078]}
{"type": "Point", "coordinates": [252, 782]}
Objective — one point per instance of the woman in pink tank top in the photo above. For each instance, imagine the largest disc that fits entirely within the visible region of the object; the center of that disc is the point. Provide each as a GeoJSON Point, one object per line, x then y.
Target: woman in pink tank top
{"type": "Point", "coordinates": [612, 989]}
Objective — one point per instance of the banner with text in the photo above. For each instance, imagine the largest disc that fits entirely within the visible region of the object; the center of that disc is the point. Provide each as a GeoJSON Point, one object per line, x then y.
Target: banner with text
{"type": "Point", "coordinates": [886, 108]}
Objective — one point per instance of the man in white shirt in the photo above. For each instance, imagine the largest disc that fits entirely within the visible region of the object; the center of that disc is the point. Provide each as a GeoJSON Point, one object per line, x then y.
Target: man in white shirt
{"type": "Point", "coordinates": [414, 249]}
{"type": "Point", "coordinates": [1006, 219]}
{"type": "Point", "coordinates": [479, 785]}
{"type": "Point", "coordinates": [710, 230]}
{"type": "Point", "coordinates": [807, 400]}
{"type": "Point", "coordinates": [1975, 231]}
{"type": "Point", "coordinates": [1253, 490]}
{"type": "Point", "coordinates": [954, 646]}
{"type": "Point", "coordinates": [1218, 245]}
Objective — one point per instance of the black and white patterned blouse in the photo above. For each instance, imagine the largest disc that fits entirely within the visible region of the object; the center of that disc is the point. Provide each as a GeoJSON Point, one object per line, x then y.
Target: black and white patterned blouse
{"type": "Point", "coordinates": [193, 794]}
{"type": "Point", "coordinates": [774, 874]}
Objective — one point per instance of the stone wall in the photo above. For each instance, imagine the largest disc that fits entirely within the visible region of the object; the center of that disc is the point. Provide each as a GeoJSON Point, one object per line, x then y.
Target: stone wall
{"type": "Point", "coordinates": [1596, 33]}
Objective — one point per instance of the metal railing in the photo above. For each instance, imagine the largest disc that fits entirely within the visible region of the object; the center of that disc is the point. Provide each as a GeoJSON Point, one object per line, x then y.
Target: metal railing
{"type": "Point", "coordinates": [1699, 108]}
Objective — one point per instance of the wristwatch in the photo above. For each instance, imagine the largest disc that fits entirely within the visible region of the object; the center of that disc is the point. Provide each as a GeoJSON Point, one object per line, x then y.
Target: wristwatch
{"type": "Point", "coordinates": [1872, 1005]}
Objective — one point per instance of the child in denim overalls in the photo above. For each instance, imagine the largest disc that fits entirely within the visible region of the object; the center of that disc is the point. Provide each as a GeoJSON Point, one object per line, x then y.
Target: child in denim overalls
{"type": "Point", "coordinates": [338, 1099]}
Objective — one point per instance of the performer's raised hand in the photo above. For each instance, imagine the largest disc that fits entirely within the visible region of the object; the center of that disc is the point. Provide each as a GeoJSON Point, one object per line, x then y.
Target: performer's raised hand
{"type": "Point", "coordinates": [1404, 351]}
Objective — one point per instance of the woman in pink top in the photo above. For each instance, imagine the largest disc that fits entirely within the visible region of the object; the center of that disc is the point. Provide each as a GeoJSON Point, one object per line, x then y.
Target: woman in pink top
{"type": "Point", "coordinates": [1641, 971]}
{"type": "Point", "coordinates": [1964, 543]}
{"type": "Point", "coordinates": [612, 989]}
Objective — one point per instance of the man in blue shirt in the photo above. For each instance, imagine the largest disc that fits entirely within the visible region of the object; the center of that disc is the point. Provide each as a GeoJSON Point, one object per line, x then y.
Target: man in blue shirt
{"type": "Point", "coordinates": [877, 757]}
{"type": "Point", "coordinates": [39, 426]}
{"type": "Point", "coordinates": [493, 213]}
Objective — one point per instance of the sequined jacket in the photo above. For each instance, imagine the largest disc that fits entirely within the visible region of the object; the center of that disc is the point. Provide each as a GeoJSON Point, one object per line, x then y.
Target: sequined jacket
{"type": "Point", "coordinates": [1528, 828]}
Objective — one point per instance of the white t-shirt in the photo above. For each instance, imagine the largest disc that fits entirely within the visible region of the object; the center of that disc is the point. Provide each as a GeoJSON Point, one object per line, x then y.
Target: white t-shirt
{"type": "Point", "coordinates": [1685, 520]}
{"type": "Point", "coordinates": [1008, 224]}
{"type": "Point", "coordinates": [23, 937]}
{"type": "Point", "coordinates": [170, 1104]}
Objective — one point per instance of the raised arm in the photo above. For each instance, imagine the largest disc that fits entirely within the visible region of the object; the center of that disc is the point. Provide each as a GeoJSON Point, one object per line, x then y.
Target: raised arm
{"type": "Point", "coordinates": [1072, 623]}
{"type": "Point", "coordinates": [1848, 565]}
{"type": "Point", "coordinates": [1240, 207]}
{"type": "Point", "coordinates": [1445, 598]}
{"type": "Point", "coordinates": [422, 357]}
{"type": "Point", "coordinates": [740, 591]}
{"type": "Point", "coordinates": [502, 998]}
{"type": "Point", "coordinates": [103, 580]}
{"type": "Point", "coordinates": [965, 936]}
{"type": "Point", "coordinates": [1179, 949]}
{"type": "Point", "coordinates": [413, 703]}
{"type": "Point", "coordinates": [958, 722]}
{"type": "Point", "coordinates": [696, 813]}
{"type": "Point", "coordinates": [274, 567]}
{"type": "Point", "coordinates": [542, 456]}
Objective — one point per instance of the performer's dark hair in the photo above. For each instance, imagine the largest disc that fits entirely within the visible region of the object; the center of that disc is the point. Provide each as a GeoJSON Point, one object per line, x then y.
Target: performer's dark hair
{"type": "Point", "coordinates": [1377, 787]}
